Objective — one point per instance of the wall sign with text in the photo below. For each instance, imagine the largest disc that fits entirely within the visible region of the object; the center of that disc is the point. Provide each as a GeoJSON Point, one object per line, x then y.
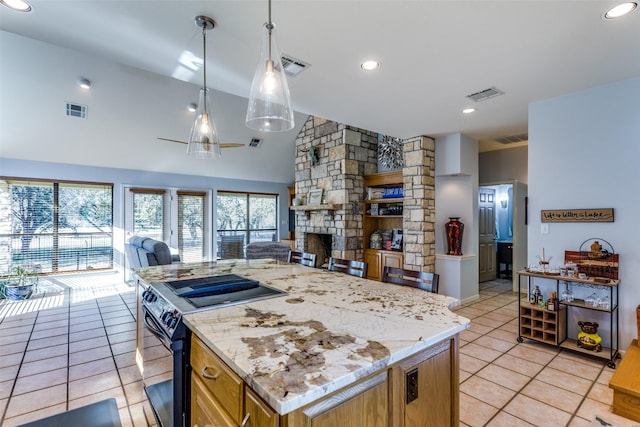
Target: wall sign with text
{"type": "Point", "coordinates": [577, 215]}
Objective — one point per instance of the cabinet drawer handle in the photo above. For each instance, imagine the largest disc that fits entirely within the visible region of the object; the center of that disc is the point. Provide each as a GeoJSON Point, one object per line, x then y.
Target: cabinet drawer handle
{"type": "Point", "coordinates": [209, 376]}
{"type": "Point", "coordinates": [245, 420]}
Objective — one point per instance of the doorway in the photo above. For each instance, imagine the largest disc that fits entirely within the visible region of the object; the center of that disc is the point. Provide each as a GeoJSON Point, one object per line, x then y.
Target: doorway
{"type": "Point", "coordinates": [504, 223]}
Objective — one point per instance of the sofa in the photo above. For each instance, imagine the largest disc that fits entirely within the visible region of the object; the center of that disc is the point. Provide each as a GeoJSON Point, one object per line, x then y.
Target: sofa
{"type": "Point", "coordinates": [146, 252]}
{"type": "Point", "coordinates": [259, 250]}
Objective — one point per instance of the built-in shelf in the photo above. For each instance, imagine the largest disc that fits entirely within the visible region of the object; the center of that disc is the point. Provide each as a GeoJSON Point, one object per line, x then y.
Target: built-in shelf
{"type": "Point", "coordinates": [390, 200]}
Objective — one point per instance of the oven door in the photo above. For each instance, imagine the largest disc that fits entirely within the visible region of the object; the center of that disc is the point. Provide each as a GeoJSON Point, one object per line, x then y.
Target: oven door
{"type": "Point", "coordinates": [163, 364]}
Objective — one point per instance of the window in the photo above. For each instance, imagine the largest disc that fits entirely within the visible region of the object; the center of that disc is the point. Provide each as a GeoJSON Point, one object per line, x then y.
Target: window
{"type": "Point", "coordinates": [58, 226]}
{"type": "Point", "coordinates": [191, 213]}
{"type": "Point", "coordinates": [148, 213]}
{"type": "Point", "coordinates": [243, 218]}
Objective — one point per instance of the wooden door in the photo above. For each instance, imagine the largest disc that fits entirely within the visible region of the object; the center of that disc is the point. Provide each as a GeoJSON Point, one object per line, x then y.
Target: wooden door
{"type": "Point", "coordinates": [373, 259]}
{"type": "Point", "coordinates": [433, 406]}
{"type": "Point", "coordinates": [260, 414]}
{"type": "Point", "coordinates": [205, 409]}
{"type": "Point", "coordinates": [487, 240]}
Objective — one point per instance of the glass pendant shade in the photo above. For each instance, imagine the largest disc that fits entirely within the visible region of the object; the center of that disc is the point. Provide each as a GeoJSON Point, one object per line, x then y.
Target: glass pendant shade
{"type": "Point", "coordinates": [203, 139]}
{"type": "Point", "coordinates": [269, 107]}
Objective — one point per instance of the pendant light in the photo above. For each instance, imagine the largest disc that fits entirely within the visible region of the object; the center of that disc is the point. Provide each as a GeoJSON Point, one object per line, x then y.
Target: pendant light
{"type": "Point", "coordinates": [269, 107]}
{"type": "Point", "coordinates": [203, 140]}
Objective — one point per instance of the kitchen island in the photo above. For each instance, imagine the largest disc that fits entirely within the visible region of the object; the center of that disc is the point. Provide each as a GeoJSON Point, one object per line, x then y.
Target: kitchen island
{"type": "Point", "coordinates": [335, 350]}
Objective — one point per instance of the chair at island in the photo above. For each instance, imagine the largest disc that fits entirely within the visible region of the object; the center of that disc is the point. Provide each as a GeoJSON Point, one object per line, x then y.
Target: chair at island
{"type": "Point", "coordinates": [303, 258]}
{"type": "Point", "coordinates": [354, 268]}
{"type": "Point", "coordinates": [261, 250]}
{"type": "Point", "coordinates": [232, 247]}
{"type": "Point", "coordinates": [415, 279]}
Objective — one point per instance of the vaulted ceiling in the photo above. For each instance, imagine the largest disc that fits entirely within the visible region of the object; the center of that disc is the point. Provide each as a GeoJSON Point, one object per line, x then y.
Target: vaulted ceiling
{"type": "Point", "coordinates": [432, 54]}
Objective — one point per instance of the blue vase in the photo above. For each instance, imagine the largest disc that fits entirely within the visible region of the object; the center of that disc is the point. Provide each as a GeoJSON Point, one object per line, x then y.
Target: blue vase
{"type": "Point", "coordinates": [18, 293]}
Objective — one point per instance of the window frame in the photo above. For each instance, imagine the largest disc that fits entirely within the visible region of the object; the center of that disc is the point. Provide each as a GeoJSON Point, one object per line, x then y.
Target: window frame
{"type": "Point", "coordinates": [56, 234]}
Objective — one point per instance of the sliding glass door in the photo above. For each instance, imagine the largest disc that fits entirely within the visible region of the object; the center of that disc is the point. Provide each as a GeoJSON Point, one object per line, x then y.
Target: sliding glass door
{"type": "Point", "coordinates": [243, 218]}
{"type": "Point", "coordinates": [176, 217]}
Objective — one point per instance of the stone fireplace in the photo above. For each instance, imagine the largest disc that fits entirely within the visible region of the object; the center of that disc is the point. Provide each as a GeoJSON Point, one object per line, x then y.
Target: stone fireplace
{"type": "Point", "coordinates": [334, 158]}
{"type": "Point", "coordinates": [343, 155]}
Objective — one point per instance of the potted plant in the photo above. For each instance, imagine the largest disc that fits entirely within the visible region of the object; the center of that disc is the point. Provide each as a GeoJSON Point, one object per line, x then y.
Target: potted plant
{"type": "Point", "coordinates": [20, 283]}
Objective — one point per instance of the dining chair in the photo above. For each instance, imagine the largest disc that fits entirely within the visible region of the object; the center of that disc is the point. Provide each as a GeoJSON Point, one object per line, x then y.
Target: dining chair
{"type": "Point", "coordinates": [354, 268]}
{"type": "Point", "coordinates": [303, 258]}
{"type": "Point", "coordinates": [416, 279]}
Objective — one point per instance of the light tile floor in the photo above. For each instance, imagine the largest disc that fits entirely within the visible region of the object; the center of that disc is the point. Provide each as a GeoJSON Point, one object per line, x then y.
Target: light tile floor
{"type": "Point", "coordinates": [74, 343]}
{"type": "Point", "coordinates": [503, 383]}
{"type": "Point", "coordinates": [71, 344]}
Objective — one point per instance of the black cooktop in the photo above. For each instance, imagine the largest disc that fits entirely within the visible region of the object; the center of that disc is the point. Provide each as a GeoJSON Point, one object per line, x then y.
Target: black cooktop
{"type": "Point", "coordinates": [225, 289]}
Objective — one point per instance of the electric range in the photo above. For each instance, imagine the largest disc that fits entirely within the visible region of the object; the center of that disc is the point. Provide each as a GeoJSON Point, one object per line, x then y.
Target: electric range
{"type": "Point", "coordinates": [162, 307]}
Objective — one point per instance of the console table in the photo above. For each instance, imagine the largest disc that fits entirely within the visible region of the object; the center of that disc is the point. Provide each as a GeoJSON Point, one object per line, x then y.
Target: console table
{"type": "Point", "coordinates": [547, 326]}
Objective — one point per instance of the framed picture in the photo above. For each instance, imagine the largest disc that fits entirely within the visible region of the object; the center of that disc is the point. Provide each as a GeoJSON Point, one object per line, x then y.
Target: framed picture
{"type": "Point", "coordinates": [315, 197]}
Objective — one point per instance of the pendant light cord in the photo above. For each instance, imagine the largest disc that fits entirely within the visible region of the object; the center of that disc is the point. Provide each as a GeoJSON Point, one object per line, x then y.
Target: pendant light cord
{"type": "Point", "coordinates": [270, 28]}
{"type": "Point", "coordinates": [204, 58]}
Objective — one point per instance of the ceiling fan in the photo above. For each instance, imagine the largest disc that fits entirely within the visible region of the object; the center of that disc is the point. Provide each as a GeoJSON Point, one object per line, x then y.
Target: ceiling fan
{"type": "Point", "coordinates": [222, 144]}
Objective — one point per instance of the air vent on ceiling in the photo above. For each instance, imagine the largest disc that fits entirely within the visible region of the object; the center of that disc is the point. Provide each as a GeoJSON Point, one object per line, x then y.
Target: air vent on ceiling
{"type": "Point", "coordinates": [293, 66]}
{"type": "Point", "coordinates": [76, 110]}
{"type": "Point", "coordinates": [255, 143]}
{"type": "Point", "coordinates": [513, 138]}
{"type": "Point", "coordinates": [483, 95]}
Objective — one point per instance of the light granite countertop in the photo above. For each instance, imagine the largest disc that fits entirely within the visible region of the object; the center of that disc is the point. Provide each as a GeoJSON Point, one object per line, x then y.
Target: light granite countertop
{"type": "Point", "coordinates": [329, 330]}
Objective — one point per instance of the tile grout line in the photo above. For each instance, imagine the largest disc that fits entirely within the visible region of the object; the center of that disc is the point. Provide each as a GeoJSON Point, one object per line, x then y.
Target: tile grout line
{"type": "Point", "coordinates": [558, 353]}
{"type": "Point", "coordinates": [517, 392]}
{"type": "Point", "coordinates": [68, 293]}
{"type": "Point", "coordinates": [113, 358]}
{"type": "Point", "coordinates": [585, 396]}
{"type": "Point", "coordinates": [15, 379]}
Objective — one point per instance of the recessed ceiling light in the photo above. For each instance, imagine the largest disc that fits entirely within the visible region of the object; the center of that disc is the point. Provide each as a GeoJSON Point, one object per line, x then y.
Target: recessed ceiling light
{"type": "Point", "coordinates": [370, 65]}
{"type": "Point", "coordinates": [468, 110]}
{"type": "Point", "coordinates": [84, 83]}
{"type": "Point", "coordinates": [192, 107]}
{"type": "Point", "coordinates": [620, 10]}
{"type": "Point", "coordinates": [19, 5]}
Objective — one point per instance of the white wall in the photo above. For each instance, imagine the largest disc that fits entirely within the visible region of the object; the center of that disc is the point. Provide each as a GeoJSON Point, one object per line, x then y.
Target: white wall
{"type": "Point", "coordinates": [503, 165]}
{"type": "Point", "coordinates": [584, 152]}
{"type": "Point", "coordinates": [456, 189]}
{"type": "Point", "coordinates": [122, 177]}
{"type": "Point", "coordinates": [128, 109]}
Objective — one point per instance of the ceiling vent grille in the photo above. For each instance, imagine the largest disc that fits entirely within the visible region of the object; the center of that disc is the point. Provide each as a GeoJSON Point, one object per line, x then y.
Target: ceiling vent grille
{"type": "Point", "coordinates": [513, 138]}
{"type": "Point", "coordinates": [483, 95]}
{"type": "Point", "coordinates": [76, 110]}
{"type": "Point", "coordinates": [255, 143]}
{"type": "Point", "coordinates": [293, 66]}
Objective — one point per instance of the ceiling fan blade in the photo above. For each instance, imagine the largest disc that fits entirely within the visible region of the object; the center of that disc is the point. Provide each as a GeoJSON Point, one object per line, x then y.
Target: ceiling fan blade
{"type": "Point", "coordinates": [173, 140]}
{"type": "Point", "coordinates": [222, 145]}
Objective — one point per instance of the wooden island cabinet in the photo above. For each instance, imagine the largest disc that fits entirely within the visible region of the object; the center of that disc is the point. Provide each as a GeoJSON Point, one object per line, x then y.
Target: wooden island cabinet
{"type": "Point", "coordinates": [421, 390]}
{"type": "Point", "coordinates": [330, 350]}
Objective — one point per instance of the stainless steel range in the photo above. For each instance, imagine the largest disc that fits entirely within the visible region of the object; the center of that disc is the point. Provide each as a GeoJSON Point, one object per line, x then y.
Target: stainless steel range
{"type": "Point", "coordinates": [160, 311]}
